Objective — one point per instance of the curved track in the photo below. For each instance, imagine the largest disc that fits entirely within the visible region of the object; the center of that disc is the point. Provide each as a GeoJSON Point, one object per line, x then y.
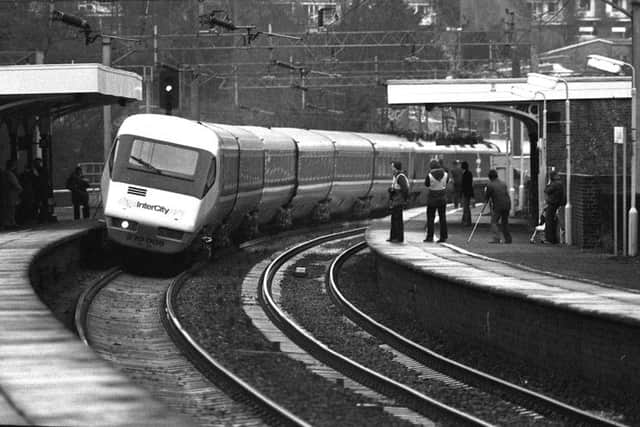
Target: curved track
{"type": "Point", "coordinates": [521, 397]}
{"type": "Point", "coordinates": [123, 317]}
{"type": "Point", "coordinates": [429, 407]}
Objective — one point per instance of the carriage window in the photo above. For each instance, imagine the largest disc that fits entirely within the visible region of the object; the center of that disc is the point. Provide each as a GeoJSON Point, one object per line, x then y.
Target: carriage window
{"type": "Point", "coordinates": [211, 177]}
{"type": "Point", "coordinates": [163, 159]}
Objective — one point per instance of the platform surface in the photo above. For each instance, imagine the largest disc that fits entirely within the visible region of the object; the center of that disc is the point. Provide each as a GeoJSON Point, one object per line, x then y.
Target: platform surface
{"type": "Point", "coordinates": [521, 269]}
{"type": "Point", "coordinates": [47, 375]}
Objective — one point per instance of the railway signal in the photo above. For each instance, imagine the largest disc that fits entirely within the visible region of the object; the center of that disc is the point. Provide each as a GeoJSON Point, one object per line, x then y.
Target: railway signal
{"type": "Point", "coordinates": [169, 88]}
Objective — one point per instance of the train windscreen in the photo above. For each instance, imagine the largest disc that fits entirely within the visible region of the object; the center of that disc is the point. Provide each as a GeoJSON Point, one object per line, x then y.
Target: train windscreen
{"type": "Point", "coordinates": [163, 165]}
{"type": "Point", "coordinates": [163, 159]}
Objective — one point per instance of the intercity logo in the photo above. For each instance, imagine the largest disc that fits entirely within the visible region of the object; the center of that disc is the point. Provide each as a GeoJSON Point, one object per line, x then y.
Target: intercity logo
{"type": "Point", "coordinates": [128, 203]}
{"type": "Point", "coordinates": [155, 208]}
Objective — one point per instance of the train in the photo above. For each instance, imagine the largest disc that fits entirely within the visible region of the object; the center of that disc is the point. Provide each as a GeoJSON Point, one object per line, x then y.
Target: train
{"type": "Point", "coordinates": [170, 182]}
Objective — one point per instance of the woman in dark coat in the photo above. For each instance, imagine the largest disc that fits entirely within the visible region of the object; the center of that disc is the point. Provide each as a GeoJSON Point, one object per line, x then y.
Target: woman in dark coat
{"type": "Point", "coordinates": [554, 198]}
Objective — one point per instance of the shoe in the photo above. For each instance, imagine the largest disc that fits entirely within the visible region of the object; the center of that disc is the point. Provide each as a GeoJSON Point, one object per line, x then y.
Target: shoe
{"type": "Point", "coordinates": [508, 242]}
{"type": "Point", "coordinates": [442, 240]}
{"type": "Point", "coordinates": [428, 240]}
{"type": "Point", "coordinates": [494, 241]}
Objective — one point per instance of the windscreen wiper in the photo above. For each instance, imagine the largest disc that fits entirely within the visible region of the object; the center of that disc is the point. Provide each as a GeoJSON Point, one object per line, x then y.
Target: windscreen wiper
{"type": "Point", "coordinates": [146, 164]}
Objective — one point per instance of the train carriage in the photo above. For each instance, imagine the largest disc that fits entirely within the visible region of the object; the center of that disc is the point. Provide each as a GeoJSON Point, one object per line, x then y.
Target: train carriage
{"type": "Point", "coordinates": [353, 172]}
{"type": "Point", "coordinates": [387, 148]}
{"type": "Point", "coordinates": [242, 164]}
{"type": "Point", "coordinates": [279, 172]}
{"type": "Point", "coordinates": [314, 171]}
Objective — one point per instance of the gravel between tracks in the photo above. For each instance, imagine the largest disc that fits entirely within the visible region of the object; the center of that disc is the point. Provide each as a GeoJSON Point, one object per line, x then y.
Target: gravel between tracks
{"type": "Point", "coordinates": [307, 301]}
{"type": "Point", "coordinates": [210, 308]}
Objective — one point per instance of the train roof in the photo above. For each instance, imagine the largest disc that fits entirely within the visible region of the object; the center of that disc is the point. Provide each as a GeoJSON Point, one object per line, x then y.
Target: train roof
{"type": "Point", "coordinates": [305, 139]}
{"type": "Point", "coordinates": [171, 129]}
{"type": "Point", "coordinates": [346, 139]}
{"type": "Point", "coordinates": [272, 140]}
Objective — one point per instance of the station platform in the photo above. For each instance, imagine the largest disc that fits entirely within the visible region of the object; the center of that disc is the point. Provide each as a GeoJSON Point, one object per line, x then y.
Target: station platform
{"type": "Point", "coordinates": [554, 306]}
{"type": "Point", "coordinates": [47, 375]}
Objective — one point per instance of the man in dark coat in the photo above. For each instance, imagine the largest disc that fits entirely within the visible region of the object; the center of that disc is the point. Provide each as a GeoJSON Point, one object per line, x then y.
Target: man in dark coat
{"type": "Point", "coordinates": [79, 195]}
{"type": "Point", "coordinates": [456, 176]}
{"type": "Point", "coordinates": [554, 198]}
{"type": "Point", "coordinates": [467, 193]}
{"type": "Point", "coordinates": [41, 190]}
{"type": "Point", "coordinates": [436, 180]}
{"type": "Point", "coordinates": [398, 195]}
{"type": "Point", "coordinates": [498, 195]}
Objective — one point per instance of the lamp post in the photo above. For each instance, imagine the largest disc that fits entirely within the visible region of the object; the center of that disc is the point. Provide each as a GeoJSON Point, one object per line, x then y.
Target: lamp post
{"type": "Point", "coordinates": [542, 161]}
{"type": "Point", "coordinates": [550, 82]}
{"type": "Point", "coordinates": [543, 150]}
{"type": "Point", "coordinates": [615, 66]}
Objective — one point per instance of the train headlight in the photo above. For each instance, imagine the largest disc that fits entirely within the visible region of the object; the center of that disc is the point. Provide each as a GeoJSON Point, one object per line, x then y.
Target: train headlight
{"type": "Point", "coordinates": [124, 224]}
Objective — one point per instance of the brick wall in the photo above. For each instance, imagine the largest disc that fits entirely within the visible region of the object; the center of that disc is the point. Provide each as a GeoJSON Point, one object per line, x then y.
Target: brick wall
{"type": "Point", "coordinates": [602, 351]}
{"type": "Point", "coordinates": [592, 123]}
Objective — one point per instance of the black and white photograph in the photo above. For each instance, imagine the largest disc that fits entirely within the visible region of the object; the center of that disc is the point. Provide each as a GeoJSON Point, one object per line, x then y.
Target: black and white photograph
{"type": "Point", "coordinates": [319, 213]}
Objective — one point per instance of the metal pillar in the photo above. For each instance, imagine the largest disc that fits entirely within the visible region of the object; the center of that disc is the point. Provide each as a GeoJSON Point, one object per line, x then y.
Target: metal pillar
{"type": "Point", "coordinates": [106, 110]}
{"type": "Point", "coordinates": [568, 209]}
{"type": "Point", "coordinates": [635, 49]}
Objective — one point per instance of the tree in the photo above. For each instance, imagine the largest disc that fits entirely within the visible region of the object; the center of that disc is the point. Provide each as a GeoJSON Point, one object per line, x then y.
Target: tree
{"type": "Point", "coordinates": [378, 15]}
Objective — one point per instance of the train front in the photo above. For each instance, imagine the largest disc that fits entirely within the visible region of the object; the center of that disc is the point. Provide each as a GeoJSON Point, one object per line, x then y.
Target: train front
{"type": "Point", "coordinates": [159, 170]}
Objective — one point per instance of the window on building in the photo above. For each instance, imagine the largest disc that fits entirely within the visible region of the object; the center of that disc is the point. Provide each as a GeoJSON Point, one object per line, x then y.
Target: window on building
{"type": "Point", "coordinates": [614, 12]}
{"type": "Point", "coordinates": [586, 8]}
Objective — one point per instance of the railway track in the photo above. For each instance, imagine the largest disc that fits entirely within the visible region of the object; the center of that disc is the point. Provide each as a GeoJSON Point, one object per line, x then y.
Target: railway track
{"type": "Point", "coordinates": [129, 320]}
{"type": "Point", "coordinates": [517, 405]}
{"type": "Point", "coordinates": [122, 320]}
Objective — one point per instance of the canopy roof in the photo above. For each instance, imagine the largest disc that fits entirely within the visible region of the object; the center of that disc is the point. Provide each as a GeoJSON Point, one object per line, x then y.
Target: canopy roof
{"type": "Point", "coordinates": [502, 91]}
{"type": "Point", "coordinates": [61, 88]}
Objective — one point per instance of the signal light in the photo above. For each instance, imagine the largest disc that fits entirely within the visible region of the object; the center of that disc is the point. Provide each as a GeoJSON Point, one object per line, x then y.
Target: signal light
{"type": "Point", "coordinates": [169, 88]}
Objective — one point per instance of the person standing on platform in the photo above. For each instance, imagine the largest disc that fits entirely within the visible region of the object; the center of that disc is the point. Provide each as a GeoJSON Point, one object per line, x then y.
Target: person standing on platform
{"type": "Point", "coordinates": [398, 195]}
{"type": "Point", "coordinates": [467, 193]}
{"type": "Point", "coordinates": [456, 177]}
{"type": "Point", "coordinates": [10, 195]}
{"type": "Point", "coordinates": [554, 198]}
{"type": "Point", "coordinates": [79, 195]}
{"type": "Point", "coordinates": [26, 209]}
{"type": "Point", "coordinates": [40, 191]}
{"type": "Point", "coordinates": [498, 195]}
{"type": "Point", "coordinates": [436, 180]}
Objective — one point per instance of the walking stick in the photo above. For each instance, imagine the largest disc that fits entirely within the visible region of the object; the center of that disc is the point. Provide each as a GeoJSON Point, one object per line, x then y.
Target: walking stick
{"type": "Point", "coordinates": [477, 222]}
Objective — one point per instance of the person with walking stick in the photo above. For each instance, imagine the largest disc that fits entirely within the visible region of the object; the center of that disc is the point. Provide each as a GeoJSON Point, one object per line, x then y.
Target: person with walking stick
{"type": "Point", "coordinates": [467, 194]}
{"type": "Point", "coordinates": [497, 195]}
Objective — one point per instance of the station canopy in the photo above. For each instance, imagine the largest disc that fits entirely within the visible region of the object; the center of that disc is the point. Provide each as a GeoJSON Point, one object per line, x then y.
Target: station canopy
{"type": "Point", "coordinates": [462, 92]}
{"type": "Point", "coordinates": [59, 89]}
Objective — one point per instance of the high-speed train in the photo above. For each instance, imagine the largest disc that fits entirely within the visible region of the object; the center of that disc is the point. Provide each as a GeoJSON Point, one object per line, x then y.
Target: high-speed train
{"type": "Point", "coordinates": [169, 180]}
